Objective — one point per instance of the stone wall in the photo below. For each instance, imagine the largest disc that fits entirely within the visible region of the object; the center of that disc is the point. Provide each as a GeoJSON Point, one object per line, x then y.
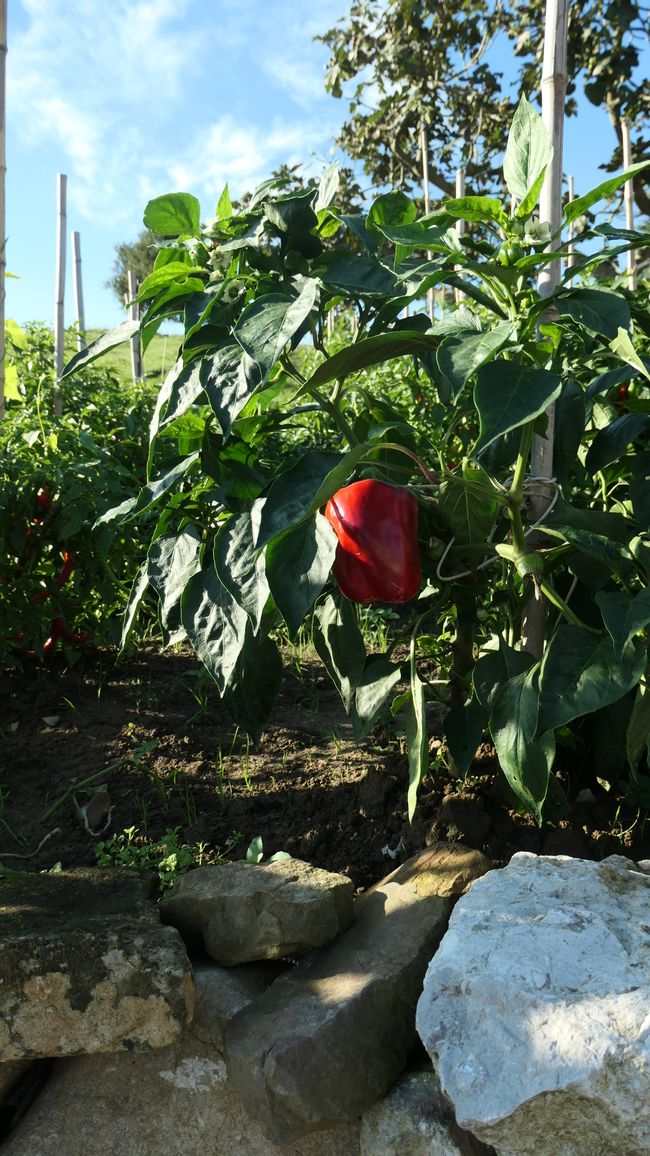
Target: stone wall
{"type": "Point", "coordinates": [317, 1052]}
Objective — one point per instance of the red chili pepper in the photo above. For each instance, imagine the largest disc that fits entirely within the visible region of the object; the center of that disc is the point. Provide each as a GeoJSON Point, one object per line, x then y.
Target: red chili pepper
{"type": "Point", "coordinates": [377, 558]}
{"type": "Point", "coordinates": [44, 499]}
{"type": "Point", "coordinates": [66, 569]}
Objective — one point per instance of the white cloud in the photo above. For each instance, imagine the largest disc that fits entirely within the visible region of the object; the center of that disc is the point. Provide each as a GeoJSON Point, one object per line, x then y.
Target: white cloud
{"type": "Point", "coordinates": [243, 155]}
{"type": "Point", "coordinates": [124, 96]}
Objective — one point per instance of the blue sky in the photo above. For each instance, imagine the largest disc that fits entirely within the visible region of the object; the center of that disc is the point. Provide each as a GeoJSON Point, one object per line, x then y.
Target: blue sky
{"type": "Point", "coordinates": [134, 98]}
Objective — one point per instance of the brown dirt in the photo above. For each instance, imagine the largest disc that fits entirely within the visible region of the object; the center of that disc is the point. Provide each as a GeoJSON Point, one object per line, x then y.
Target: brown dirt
{"type": "Point", "coordinates": [153, 733]}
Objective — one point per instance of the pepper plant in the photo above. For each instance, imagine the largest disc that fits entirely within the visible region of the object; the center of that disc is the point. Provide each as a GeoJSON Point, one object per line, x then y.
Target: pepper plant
{"type": "Point", "coordinates": [61, 587]}
{"type": "Point", "coordinates": [265, 421]}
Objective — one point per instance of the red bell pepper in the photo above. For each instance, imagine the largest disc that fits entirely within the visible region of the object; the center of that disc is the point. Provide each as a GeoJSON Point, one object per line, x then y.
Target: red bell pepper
{"type": "Point", "coordinates": [377, 558]}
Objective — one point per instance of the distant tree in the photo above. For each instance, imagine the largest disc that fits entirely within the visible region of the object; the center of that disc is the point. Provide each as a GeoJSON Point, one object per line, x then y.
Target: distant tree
{"type": "Point", "coordinates": [139, 256]}
{"type": "Point", "coordinates": [425, 62]}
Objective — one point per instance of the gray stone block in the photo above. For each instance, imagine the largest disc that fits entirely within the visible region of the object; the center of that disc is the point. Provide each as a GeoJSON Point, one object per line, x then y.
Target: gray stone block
{"type": "Point", "coordinates": [87, 967]}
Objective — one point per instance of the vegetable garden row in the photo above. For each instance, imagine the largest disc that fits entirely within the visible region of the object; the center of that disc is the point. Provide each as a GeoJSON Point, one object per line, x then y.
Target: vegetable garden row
{"type": "Point", "coordinates": [298, 470]}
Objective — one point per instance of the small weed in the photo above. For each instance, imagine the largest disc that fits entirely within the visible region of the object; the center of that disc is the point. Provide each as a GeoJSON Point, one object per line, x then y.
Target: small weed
{"type": "Point", "coordinates": [168, 856]}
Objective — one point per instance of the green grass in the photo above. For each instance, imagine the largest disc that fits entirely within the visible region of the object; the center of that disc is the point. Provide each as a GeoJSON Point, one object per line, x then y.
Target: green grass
{"type": "Point", "coordinates": [159, 357]}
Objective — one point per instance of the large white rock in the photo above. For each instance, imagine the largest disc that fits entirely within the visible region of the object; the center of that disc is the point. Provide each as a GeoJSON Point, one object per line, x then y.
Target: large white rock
{"type": "Point", "coordinates": [536, 1008]}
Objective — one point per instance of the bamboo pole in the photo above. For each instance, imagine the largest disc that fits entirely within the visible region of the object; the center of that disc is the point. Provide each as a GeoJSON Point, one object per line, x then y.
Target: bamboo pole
{"type": "Point", "coordinates": [571, 259]}
{"type": "Point", "coordinates": [553, 88]}
{"type": "Point", "coordinates": [59, 302]}
{"type": "Point", "coordinates": [424, 149]}
{"type": "Point", "coordinates": [3, 171]}
{"type": "Point", "coordinates": [460, 224]}
{"type": "Point", "coordinates": [78, 291]}
{"type": "Point", "coordinates": [629, 203]}
{"type": "Point", "coordinates": [134, 314]}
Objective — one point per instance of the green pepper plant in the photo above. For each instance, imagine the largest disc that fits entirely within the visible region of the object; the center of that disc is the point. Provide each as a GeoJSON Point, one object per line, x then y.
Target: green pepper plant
{"type": "Point", "coordinates": [266, 420]}
{"type": "Point", "coordinates": [61, 586]}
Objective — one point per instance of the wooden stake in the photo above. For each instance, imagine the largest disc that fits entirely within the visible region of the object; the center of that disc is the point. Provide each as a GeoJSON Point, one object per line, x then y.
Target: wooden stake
{"type": "Point", "coordinates": [3, 170]}
{"type": "Point", "coordinates": [629, 203]}
{"type": "Point", "coordinates": [59, 301]}
{"type": "Point", "coordinates": [424, 149]}
{"type": "Point", "coordinates": [460, 225]}
{"type": "Point", "coordinates": [78, 291]}
{"type": "Point", "coordinates": [571, 259]}
{"type": "Point", "coordinates": [134, 314]}
{"type": "Point", "coordinates": [554, 81]}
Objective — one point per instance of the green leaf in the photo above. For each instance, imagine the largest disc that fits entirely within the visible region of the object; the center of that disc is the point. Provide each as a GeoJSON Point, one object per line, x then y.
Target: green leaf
{"type": "Point", "coordinates": [622, 346]}
{"type": "Point", "coordinates": [470, 514]}
{"type": "Point", "coordinates": [241, 566]}
{"type": "Point", "coordinates": [599, 311]}
{"type": "Point", "coordinates": [640, 487]}
{"type": "Point", "coordinates": [611, 442]}
{"type": "Point", "coordinates": [172, 560]}
{"type": "Point", "coordinates": [224, 205]}
{"type": "Point", "coordinates": [528, 152]}
{"type": "Point", "coordinates": [358, 276]}
{"type": "Point", "coordinates": [464, 727]}
{"type": "Point", "coordinates": [340, 646]}
{"type": "Point", "coordinates": [11, 390]}
{"type": "Point", "coordinates": [254, 687]}
{"type": "Point", "coordinates": [638, 729]}
{"type": "Point", "coordinates": [174, 215]}
{"type": "Point", "coordinates": [435, 238]}
{"type": "Point", "coordinates": [372, 351]}
{"type": "Point", "coordinates": [328, 187]}
{"type": "Point", "coordinates": [389, 210]}
{"type": "Point", "coordinates": [179, 391]}
{"type": "Point", "coordinates": [581, 672]}
{"type": "Point", "coordinates": [376, 686]}
{"type": "Point", "coordinates": [508, 395]}
{"type": "Point", "coordinates": [302, 489]}
{"type": "Point", "coordinates": [570, 417]}
{"type": "Point", "coordinates": [609, 380]}
{"type": "Point", "coordinates": [417, 739]}
{"type": "Point", "coordinates": [149, 494]}
{"type": "Point", "coordinates": [496, 667]}
{"type": "Point", "coordinates": [255, 850]}
{"type": "Point", "coordinates": [292, 214]}
{"type": "Point", "coordinates": [230, 377]}
{"type": "Point", "coordinates": [298, 565]}
{"type": "Point", "coordinates": [460, 355]}
{"type": "Point", "coordinates": [476, 209]}
{"type": "Point", "coordinates": [578, 207]}
{"type": "Point", "coordinates": [624, 616]}
{"type": "Point", "coordinates": [525, 761]}
{"type": "Point", "coordinates": [215, 625]}
{"type": "Point", "coordinates": [84, 357]}
{"type": "Point", "coordinates": [267, 325]}
{"type": "Point", "coordinates": [173, 273]}
{"type": "Point", "coordinates": [138, 591]}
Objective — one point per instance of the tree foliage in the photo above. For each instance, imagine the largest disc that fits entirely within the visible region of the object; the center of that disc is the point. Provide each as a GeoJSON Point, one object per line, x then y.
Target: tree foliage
{"type": "Point", "coordinates": [138, 255]}
{"type": "Point", "coordinates": [408, 63]}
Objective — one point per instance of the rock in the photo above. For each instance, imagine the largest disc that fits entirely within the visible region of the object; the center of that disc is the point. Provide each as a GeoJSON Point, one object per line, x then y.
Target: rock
{"type": "Point", "coordinates": [535, 1008]}
{"type": "Point", "coordinates": [331, 1036]}
{"type": "Point", "coordinates": [415, 1120]}
{"type": "Point", "coordinates": [242, 911]}
{"type": "Point", "coordinates": [463, 818]}
{"type": "Point", "coordinates": [86, 966]}
{"type": "Point", "coordinates": [175, 1100]}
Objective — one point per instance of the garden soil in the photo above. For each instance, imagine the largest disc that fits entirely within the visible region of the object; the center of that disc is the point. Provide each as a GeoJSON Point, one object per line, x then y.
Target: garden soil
{"type": "Point", "coordinates": [89, 752]}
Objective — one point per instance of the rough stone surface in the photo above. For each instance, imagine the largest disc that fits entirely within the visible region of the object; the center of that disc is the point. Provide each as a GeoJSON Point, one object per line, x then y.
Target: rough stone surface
{"type": "Point", "coordinates": [10, 1074]}
{"type": "Point", "coordinates": [536, 1008]}
{"type": "Point", "coordinates": [87, 967]}
{"type": "Point", "coordinates": [243, 912]}
{"type": "Point", "coordinates": [415, 1120]}
{"type": "Point", "coordinates": [331, 1036]}
{"type": "Point", "coordinates": [174, 1101]}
